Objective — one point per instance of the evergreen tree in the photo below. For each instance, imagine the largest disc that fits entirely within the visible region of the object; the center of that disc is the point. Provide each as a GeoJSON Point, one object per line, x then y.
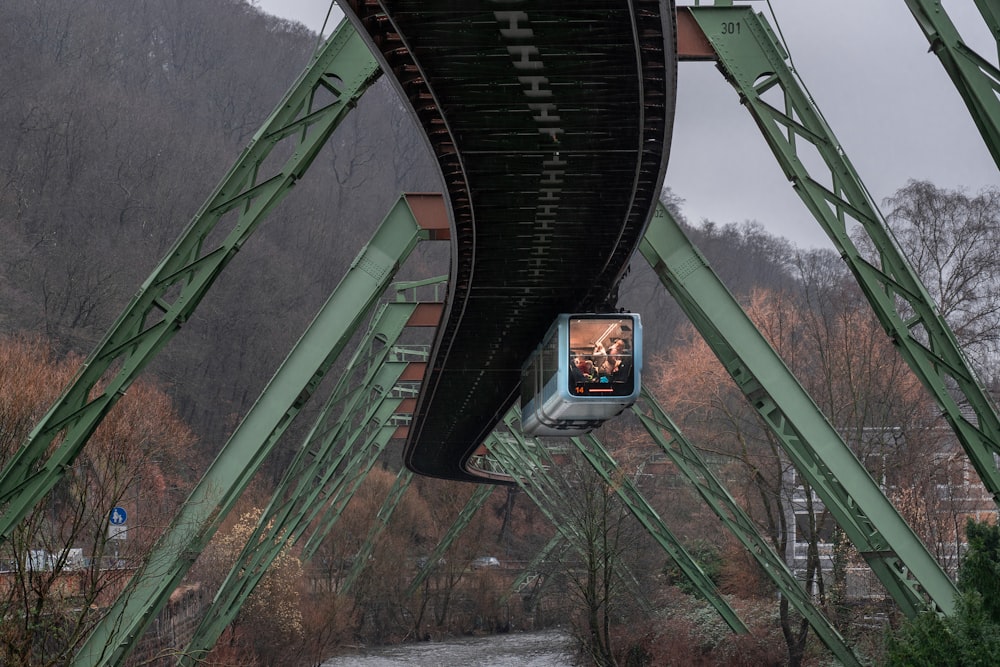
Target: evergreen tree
{"type": "Point", "coordinates": [970, 637]}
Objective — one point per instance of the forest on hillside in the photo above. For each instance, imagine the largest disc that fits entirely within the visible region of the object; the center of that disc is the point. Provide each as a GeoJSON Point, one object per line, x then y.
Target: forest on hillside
{"type": "Point", "coordinates": [120, 118]}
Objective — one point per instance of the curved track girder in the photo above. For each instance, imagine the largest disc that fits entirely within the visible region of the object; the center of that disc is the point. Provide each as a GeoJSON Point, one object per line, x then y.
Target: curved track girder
{"type": "Point", "coordinates": [550, 121]}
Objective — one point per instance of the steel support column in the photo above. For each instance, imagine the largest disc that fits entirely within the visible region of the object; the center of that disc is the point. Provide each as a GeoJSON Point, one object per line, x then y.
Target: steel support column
{"type": "Point", "coordinates": [690, 464]}
{"type": "Point", "coordinates": [302, 122]}
{"type": "Point", "coordinates": [977, 79]}
{"type": "Point", "coordinates": [308, 477]}
{"type": "Point", "coordinates": [518, 456]}
{"type": "Point", "coordinates": [174, 553]}
{"type": "Point", "coordinates": [756, 65]}
{"type": "Point", "coordinates": [643, 512]}
{"type": "Point", "coordinates": [893, 551]}
{"type": "Point", "coordinates": [389, 505]}
{"type": "Point", "coordinates": [475, 502]}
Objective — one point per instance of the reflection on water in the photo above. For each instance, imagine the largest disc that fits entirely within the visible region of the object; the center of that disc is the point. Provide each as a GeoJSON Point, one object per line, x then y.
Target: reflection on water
{"type": "Point", "coordinates": [534, 649]}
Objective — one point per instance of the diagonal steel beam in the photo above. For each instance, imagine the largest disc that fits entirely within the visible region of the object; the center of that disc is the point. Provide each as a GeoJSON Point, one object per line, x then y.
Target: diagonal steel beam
{"type": "Point", "coordinates": [472, 505]}
{"type": "Point", "coordinates": [690, 463]}
{"type": "Point", "coordinates": [173, 554]}
{"type": "Point", "coordinates": [756, 65]}
{"type": "Point", "coordinates": [889, 546]}
{"type": "Point", "coordinates": [302, 486]}
{"type": "Point", "coordinates": [977, 79]}
{"type": "Point", "coordinates": [303, 121]}
{"type": "Point", "coordinates": [540, 459]}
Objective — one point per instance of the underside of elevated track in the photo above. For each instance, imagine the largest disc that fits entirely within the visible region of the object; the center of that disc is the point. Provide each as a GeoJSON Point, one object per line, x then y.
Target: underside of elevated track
{"type": "Point", "coordinates": [550, 123]}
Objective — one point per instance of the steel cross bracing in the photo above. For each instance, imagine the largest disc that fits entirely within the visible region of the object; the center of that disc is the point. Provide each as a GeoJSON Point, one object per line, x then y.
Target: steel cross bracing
{"type": "Point", "coordinates": [309, 482]}
{"type": "Point", "coordinates": [346, 485]}
{"type": "Point", "coordinates": [389, 505]}
{"type": "Point", "coordinates": [256, 557]}
{"type": "Point", "coordinates": [884, 540]}
{"type": "Point", "coordinates": [307, 116]}
{"type": "Point", "coordinates": [535, 567]}
{"type": "Point", "coordinates": [472, 505]}
{"type": "Point", "coordinates": [533, 458]}
{"type": "Point", "coordinates": [326, 337]}
{"type": "Point", "coordinates": [518, 456]}
{"type": "Point", "coordinates": [302, 122]}
{"type": "Point", "coordinates": [756, 65]}
{"type": "Point", "coordinates": [977, 79]}
{"type": "Point", "coordinates": [690, 464]}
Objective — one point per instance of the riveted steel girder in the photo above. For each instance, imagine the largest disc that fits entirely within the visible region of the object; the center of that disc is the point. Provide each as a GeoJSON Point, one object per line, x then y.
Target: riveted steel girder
{"type": "Point", "coordinates": [551, 125]}
{"type": "Point", "coordinates": [303, 121]}
{"type": "Point", "coordinates": [389, 505]}
{"type": "Point", "coordinates": [532, 459]}
{"type": "Point", "coordinates": [207, 505]}
{"type": "Point", "coordinates": [475, 502]}
{"type": "Point", "coordinates": [307, 480]}
{"type": "Point", "coordinates": [752, 60]}
{"type": "Point", "coordinates": [885, 541]}
{"type": "Point", "coordinates": [519, 456]}
{"type": "Point", "coordinates": [977, 79]}
{"type": "Point", "coordinates": [690, 464]}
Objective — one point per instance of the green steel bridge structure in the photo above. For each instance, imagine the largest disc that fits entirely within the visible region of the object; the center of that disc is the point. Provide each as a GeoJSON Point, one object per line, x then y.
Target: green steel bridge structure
{"type": "Point", "coordinates": [530, 108]}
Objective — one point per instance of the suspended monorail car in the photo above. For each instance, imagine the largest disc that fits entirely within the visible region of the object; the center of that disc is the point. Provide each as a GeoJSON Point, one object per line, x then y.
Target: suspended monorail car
{"type": "Point", "coordinates": [586, 370]}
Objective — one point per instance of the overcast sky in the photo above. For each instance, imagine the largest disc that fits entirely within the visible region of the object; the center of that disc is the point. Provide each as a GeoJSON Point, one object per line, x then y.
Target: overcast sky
{"type": "Point", "coordinates": [866, 64]}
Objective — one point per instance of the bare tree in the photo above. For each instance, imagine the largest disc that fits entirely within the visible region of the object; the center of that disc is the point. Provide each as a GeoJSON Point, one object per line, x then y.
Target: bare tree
{"type": "Point", "coordinates": [952, 239]}
{"type": "Point", "coordinates": [66, 561]}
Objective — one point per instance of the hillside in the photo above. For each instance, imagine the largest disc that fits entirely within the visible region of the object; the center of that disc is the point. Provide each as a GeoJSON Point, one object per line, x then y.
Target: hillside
{"type": "Point", "coordinates": [120, 119]}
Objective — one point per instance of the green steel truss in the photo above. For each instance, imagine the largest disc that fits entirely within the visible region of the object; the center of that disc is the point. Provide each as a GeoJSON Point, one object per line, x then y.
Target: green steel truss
{"type": "Point", "coordinates": [891, 549]}
{"type": "Point", "coordinates": [259, 552]}
{"type": "Point", "coordinates": [530, 460]}
{"type": "Point", "coordinates": [977, 79]}
{"type": "Point", "coordinates": [555, 545]}
{"type": "Point", "coordinates": [327, 515]}
{"type": "Point", "coordinates": [389, 505]}
{"type": "Point", "coordinates": [227, 477]}
{"type": "Point", "coordinates": [519, 458]}
{"type": "Point", "coordinates": [475, 502]}
{"type": "Point", "coordinates": [751, 59]}
{"type": "Point", "coordinates": [340, 72]}
{"type": "Point", "coordinates": [315, 474]}
{"type": "Point", "coordinates": [301, 124]}
{"type": "Point", "coordinates": [691, 465]}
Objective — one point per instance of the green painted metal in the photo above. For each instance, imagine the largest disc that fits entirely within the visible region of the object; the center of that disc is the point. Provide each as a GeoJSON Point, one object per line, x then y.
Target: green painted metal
{"type": "Point", "coordinates": [389, 505]}
{"type": "Point", "coordinates": [690, 464]}
{"type": "Point", "coordinates": [227, 477]}
{"type": "Point", "coordinates": [520, 456]}
{"type": "Point", "coordinates": [326, 514]}
{"type": "Point", "coordinates": [535, 566]}
{"type": "Point", "coordinates": [977, 79]}
{"type": "Point", "coordinates": [531, 455]}
{"type": "Point", "coordinates": [608, 469]}
{"type": "Point", "coordinates": [756, 65]}
{"type": "Point", "coordinates": [312, 109]}
{"type": "Point", "coordinates": [891, 549]}
{"type": "Point", "coordinates": [475, 502]}
{"type": "Point", "coordinates": [309, 474]}
{"type": "Point", "coordinates": [259, 553]}
{"type": "Point", "coordinates": [991, 14]}
{"type": "Point", "coordinates": [395, 496]}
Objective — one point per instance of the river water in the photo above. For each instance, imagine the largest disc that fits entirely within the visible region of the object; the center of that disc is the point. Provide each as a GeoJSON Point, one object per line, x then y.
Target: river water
{"type": "Point", "coordinates": [531, 649]}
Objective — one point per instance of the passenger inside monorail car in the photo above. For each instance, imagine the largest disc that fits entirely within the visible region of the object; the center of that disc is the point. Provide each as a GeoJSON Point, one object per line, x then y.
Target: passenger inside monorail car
{"type": "Point", "coordinates": [585, 371]}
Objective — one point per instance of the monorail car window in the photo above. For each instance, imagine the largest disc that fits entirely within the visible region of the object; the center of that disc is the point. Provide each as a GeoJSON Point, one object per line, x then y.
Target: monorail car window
{"type": "Point", "coordinates": [550, 359]}
{"type": "Point", "coordinates": [601, 350]}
